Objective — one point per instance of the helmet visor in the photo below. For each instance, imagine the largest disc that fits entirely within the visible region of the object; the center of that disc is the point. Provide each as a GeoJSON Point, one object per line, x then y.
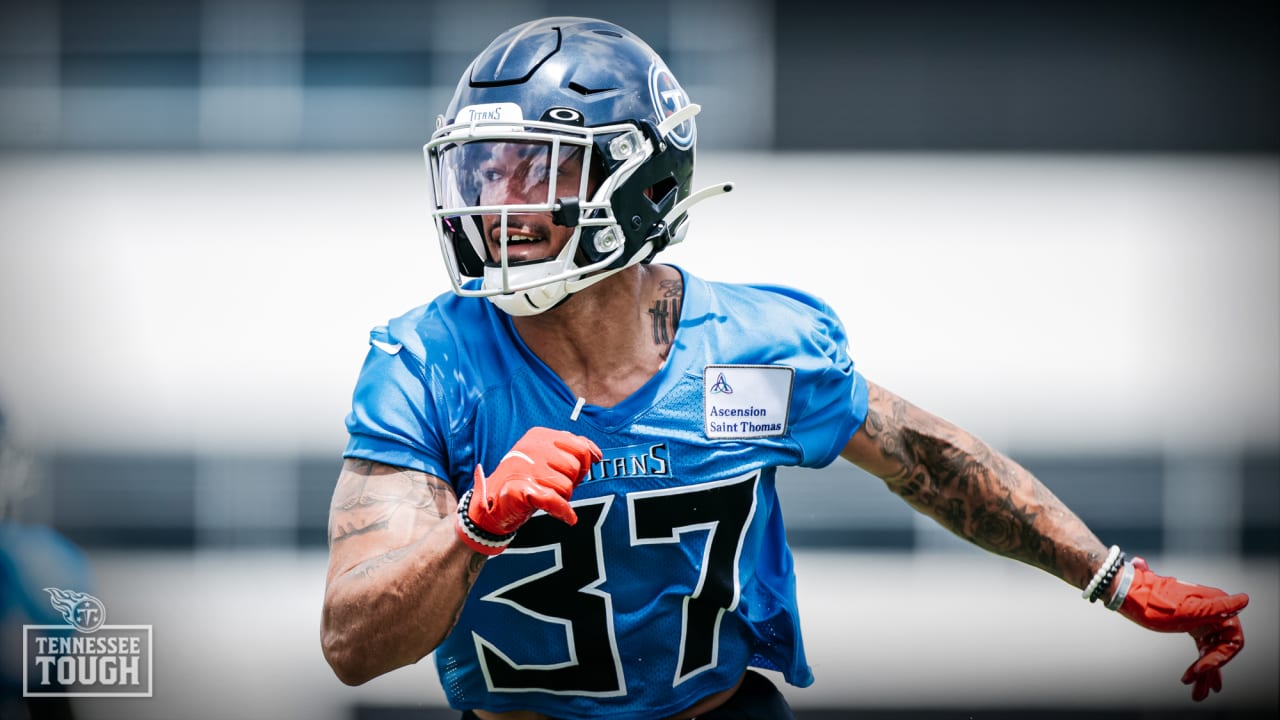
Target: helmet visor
{"type": "Point", "coordinates": [515, 175]}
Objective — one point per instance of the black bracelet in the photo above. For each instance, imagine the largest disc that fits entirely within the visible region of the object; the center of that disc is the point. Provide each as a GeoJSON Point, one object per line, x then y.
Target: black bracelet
{"type": "Point", "coordinates": [475, 530]}
{"type": "Point", "coordinates": [1107, 578]}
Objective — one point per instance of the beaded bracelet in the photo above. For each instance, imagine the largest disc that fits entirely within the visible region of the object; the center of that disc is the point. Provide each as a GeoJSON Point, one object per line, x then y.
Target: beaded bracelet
{"type": "Point", "coordinates": [1091, 590]}
{"type": "Point", "coordinates": [1122, 588]}
{"type": "Point", "coordinates": [477, 533]}
{"type": "Point", "coordinates": [1106, 579]}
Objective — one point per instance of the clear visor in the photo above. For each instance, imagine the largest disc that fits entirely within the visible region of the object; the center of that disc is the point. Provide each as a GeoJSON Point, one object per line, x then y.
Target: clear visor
{"type": "Point", "coordinates": [510, 175]}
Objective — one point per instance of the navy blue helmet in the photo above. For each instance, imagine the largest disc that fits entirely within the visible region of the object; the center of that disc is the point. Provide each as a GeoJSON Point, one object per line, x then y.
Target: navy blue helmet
{"type": "Point", "coordinates": [573, 119]}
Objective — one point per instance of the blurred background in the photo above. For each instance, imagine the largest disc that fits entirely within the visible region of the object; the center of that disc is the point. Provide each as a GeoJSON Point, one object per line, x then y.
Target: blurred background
{"type": "Point", "coordinates": [1055, 223]}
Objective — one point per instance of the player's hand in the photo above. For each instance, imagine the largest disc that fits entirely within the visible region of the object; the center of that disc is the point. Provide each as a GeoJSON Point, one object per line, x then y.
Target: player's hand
{"type": "Point", "coordinates": [1165, 604]}
{"type": "Point", "coordinates": [539, 473]}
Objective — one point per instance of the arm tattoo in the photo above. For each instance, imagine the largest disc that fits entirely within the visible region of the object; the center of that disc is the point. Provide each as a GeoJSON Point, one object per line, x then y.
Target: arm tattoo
{"type": "Point", "coordinates": [367, 500]}
{"type": "Point", "coordinates": [976, 492]}
{"type": "Point", "coordinates": [474, 564]}
{"type": "Point", "coordinates": [372, 565]}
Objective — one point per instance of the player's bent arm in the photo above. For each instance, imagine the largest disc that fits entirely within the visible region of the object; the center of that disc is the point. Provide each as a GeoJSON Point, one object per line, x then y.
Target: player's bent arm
{"type": "Point", "coordinates": [398, 575]}
{"type": "Point", "coordinates": [971, 489]}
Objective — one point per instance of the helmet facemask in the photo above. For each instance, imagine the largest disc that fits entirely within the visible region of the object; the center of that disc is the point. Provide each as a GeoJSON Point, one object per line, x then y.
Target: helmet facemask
{"type": "Point", "coordinates": [501, 189]}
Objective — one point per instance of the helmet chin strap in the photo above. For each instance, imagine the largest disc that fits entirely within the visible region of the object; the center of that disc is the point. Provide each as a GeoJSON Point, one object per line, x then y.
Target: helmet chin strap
{"type": "Point", "coordinates": [535, 301]}
{"type": "Point", "coordinates": [519, 304]}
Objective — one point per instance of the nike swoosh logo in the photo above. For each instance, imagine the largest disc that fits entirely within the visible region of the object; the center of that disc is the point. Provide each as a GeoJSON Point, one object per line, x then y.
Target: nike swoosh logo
{"type": "Point", "coordinates": [518, 454]}
{"type": "Point", "coordinates": [386, 347]}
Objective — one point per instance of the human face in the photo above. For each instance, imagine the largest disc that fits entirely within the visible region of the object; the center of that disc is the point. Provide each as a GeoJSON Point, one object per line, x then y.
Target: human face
{"type": "Point", "coordinates": [520, 173]}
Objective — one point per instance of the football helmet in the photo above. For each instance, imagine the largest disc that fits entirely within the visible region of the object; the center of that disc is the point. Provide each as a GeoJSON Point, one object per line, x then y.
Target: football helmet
{"type": "Point", "coordinates": [561, 127]}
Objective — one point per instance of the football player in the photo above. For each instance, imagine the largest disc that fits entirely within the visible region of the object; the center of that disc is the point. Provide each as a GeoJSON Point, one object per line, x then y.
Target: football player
{"type": "Point", "coordinates": [560, 476]}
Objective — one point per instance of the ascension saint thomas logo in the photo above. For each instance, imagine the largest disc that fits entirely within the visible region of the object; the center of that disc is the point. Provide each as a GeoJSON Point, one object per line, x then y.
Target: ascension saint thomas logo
{"type": "Point", "coordinates": [746, 401]}
{"type": "Point", "coordinates": [721, 386]}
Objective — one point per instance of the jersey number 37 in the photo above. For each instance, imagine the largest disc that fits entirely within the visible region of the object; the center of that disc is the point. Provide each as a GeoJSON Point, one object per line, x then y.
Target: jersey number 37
{"type": "Point", "coordinates": [568, 593]}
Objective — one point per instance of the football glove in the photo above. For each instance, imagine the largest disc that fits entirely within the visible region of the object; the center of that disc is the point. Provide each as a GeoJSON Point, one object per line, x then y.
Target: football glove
{"type": "Point", "coordinates": [1165, 604]}
{"type": "Point", "coordinates": [539, 473]}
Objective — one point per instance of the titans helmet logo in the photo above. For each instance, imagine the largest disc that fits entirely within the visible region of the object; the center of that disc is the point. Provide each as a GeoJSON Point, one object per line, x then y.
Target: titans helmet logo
{"type": "Point", "coordinates": [668, 98]}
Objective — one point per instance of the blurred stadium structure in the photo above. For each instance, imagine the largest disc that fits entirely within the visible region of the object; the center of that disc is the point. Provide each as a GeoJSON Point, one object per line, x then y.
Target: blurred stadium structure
{"type": "Point", "coordinates": [804, 74]}
{"type": "Point", "coordinates": [1056, 223]}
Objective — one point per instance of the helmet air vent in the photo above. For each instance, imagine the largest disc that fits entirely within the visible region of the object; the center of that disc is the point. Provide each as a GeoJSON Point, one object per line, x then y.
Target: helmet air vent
{"type": "Point", "coordinates": [584, 90]}
{"type": "Point", "coordinates": [516, 55]}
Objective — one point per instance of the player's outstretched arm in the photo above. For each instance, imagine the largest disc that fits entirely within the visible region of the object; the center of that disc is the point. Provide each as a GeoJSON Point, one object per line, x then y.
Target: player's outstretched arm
{"type": "Point", "coordinates": [398, 574]}
{"type": "Point", "coordinates": [971, 489]}
{"type": "Point", "coordinates": [988, 499]}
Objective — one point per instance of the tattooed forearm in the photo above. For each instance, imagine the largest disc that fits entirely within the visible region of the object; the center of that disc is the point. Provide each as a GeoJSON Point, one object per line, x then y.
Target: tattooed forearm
{"type": "Point", "coordinates": [371, 566]}
{"type": "Point", "coordinates": [367, 500]}
{"type": "Point", "coordinates": [398, 575]}
{"type": "Point", "coordinates": [974, 491]}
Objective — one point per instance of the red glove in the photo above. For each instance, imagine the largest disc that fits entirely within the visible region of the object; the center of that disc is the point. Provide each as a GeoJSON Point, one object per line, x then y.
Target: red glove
{"type": "Point", "coordinates": [539, 473]}
{"type": "Point", "coordinates": [1165, 604]}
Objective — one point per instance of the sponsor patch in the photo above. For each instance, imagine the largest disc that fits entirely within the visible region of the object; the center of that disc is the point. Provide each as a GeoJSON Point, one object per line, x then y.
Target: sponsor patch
{"type": "Point", "coordinates": [746, 401]}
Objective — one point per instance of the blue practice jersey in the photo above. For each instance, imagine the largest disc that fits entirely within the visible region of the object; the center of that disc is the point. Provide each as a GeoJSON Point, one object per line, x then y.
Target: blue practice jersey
{"type": "Point", "coordinates": [677, 575]}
